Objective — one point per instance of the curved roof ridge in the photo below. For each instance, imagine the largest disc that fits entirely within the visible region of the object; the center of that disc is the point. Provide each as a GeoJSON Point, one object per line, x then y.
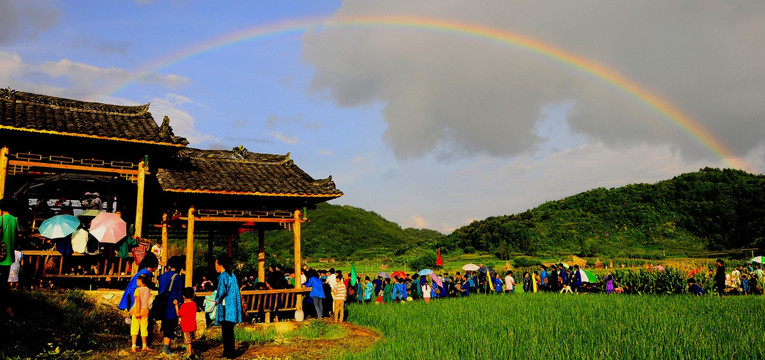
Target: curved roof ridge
{"type": "Point", "coordinates": [238, 154]}
{"type": "Point", "coordinates": [21, 97]}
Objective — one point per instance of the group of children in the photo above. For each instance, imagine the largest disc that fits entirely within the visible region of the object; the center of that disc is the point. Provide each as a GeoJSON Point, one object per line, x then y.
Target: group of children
{"type": "Point", "coordinates": [139, 315]}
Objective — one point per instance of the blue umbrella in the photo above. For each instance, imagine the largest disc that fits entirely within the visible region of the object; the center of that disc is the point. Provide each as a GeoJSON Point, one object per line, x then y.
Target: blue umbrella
{"type": "Point", "coordinates": [59, 226]}
{"type": "Point", "coordinates": [425, 272]}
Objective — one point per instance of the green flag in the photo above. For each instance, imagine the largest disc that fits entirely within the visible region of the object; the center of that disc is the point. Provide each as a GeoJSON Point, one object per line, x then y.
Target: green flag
{"type": "Point", "coordinates": [352, 275]}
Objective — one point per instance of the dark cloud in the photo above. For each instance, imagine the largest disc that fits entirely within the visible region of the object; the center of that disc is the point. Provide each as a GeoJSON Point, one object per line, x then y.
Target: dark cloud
{"type": "Point", "coordinates": [456, 95]}
{"type": "Point", "coordinates": [103, 47]}
{"type": "Point", "coordinates": [25, 19]}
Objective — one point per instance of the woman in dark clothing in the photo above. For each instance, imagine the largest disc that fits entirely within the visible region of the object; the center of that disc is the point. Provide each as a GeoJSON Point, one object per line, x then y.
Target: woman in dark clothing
{"type": "Point", "coordinates": [720, 277]}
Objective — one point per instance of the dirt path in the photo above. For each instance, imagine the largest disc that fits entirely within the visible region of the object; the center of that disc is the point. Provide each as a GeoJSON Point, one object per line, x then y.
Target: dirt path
{"type": "Point", "coordinates": [357, 339]}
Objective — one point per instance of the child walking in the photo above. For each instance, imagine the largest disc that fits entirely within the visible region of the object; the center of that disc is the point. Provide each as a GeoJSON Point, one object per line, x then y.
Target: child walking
{"type": "Point", "coordinates": [139, 313]}
{"type": "Point", "coordinates": [188, 314]}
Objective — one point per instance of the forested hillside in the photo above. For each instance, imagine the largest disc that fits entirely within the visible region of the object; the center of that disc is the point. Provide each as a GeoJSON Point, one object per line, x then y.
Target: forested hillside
{"type": "Point", "coordinates": [710, 209]}
{"type": "Point", "coordinates": [346, 232]}
{"type": "Point", "coordinates": [707, 210]}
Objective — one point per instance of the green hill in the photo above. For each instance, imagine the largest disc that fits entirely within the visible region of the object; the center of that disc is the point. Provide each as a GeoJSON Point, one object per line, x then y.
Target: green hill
{"type": "Point", "coordinates": [698, 212]}
{"type": "Point", "coordinates": [346, 232]}
{"type": "Point", "coordinates": [710, 209]}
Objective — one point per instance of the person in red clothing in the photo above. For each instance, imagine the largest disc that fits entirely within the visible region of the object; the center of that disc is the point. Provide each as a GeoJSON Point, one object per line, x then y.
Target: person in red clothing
{"type": "Point", "coordinates": [188, 314]}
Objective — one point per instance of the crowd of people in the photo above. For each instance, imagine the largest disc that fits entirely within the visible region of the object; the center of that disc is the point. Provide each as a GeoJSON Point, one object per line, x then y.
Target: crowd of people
{"type": "Point", "coordinates": [175, 306]}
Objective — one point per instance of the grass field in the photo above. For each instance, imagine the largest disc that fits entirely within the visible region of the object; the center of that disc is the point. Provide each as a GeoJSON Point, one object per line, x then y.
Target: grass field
{"type": "Point", "coordinates": [552, 326]}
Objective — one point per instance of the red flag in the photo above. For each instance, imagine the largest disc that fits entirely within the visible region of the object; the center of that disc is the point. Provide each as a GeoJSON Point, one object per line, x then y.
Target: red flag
{"type": "Point", "coordinates": [439, 262]}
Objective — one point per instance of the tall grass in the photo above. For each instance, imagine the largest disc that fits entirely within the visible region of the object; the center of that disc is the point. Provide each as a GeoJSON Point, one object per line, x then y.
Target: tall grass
{"type": "Point", "coordinates": [552, 326]}
{"type": "Point", "coordinates": [48, 322]}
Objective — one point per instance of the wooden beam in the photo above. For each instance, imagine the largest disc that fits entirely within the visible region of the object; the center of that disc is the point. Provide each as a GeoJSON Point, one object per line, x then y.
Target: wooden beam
{"type": "Point", "coordinates": [240, 219]}
{"type": "Point", "coordinates": [298, 263]}
{"type": "Point", "coordinates": [3, 170]}
{"type": "Point", "coordinates": [190, 248]}
{"type": "Point", "coordinates": [139, 199]}
{"type": "Point", "coordinates": [72, 167]}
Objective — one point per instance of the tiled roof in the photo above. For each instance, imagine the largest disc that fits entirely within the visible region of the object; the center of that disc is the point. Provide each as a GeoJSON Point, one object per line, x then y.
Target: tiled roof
{"type": "Point", "coordinates": [21, 111]}
{"type": "Point", "coordinates": [240, 172]}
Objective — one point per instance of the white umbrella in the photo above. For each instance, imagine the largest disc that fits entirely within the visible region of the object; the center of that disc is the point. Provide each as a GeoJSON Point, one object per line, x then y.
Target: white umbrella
{"type": "Point", "coordinates": [757, 259]}
{"type": "Point", "coordinates": [470, 267]}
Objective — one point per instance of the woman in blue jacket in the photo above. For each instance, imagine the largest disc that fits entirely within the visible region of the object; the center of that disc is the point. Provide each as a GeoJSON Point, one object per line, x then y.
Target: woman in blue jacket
{"type": "Point", "coordinates": [229, 302]}
{"type": "Point", "coordinates": [147, 267]}
{"type": "Point", "coordinates": [317, 291]}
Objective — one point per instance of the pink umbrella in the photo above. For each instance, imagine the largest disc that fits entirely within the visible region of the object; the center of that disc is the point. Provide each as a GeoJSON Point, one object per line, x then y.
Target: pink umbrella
{"type": "Point", "coordinates": [436, 279]}
{"type": "Point", "coordinates": [108, 228]}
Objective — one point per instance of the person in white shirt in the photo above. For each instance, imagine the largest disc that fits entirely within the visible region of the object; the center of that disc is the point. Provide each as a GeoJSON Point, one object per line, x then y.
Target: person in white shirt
{"type": "Point", "coordinates": [509, 283]}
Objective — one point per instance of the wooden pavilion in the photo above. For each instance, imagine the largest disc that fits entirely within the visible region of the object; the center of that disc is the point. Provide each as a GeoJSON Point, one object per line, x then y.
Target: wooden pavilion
{"type": "Point", "coordinates": [53, 148]}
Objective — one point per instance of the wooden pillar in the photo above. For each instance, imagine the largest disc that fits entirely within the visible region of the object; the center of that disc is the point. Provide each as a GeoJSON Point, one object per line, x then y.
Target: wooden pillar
{"type": "Point", "coordinates": [261, 255]}
{"type": "Point", "coordinates": [298, 263]}
{"type": "Point", "coordinates": [190, 248]}
{"type": "Point", "coordinates": [139, 199]}
{"type": "Point", "coordinates": [165, 246]}
{"type": "Point", "coordinates": [3, 169]}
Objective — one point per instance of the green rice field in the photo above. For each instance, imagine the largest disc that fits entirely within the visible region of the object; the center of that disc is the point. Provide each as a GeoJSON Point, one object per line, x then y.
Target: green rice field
{"type": "Point", "coordinates": [554, 326]}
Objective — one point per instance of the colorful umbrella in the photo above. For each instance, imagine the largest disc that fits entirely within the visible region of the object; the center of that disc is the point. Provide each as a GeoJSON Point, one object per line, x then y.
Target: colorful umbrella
{"type": "Point", "coordinates": [425, 272]}
{"type": "Point", "coordinates": [757, 259]}
{"type": "Point", "coordinates": [439, 261]}
{"type": "Point", "coordinates": [108, 228]}
{"type": "Point", "coordinates": [659, 268]}
{"type": "Point", "coordinates": [588, 277]}
{"type": "Point", "coordinates": [89, 213]}
{"type": "Point", "coordinates": [59, 226]}
{"type": "Point", "coordinates": [383, 275]}
{"type": "Point", "coordinates": [470, 267]}
{"type": "Point", "coordinates": [398, 274]}
{"type": "Point", "coordinates": [565, 266]}
{"type": "Point", "coordinates": [436, 279]}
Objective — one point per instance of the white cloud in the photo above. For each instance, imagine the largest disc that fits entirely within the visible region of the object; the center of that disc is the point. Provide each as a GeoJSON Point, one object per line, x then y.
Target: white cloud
{"type": "Point", "coordinates": [419, 222]}
{"type": "Point", "coordinates": [325, 153]}
{"type": "Point", "coordinates": [71, 79]}
{"type": "Point", "coordinates": [464, 95]}
{"type": "Point", "coordinates": [284, 138]}
{"type": "Point", "coordinates": [182, 122]}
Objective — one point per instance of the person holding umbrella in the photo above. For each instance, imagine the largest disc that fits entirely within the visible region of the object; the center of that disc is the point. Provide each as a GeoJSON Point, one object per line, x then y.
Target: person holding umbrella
{"type": "Point", "coordinates": [577, 279]}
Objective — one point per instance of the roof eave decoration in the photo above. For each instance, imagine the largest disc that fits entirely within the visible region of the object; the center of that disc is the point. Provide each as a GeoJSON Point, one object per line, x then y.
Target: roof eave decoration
{"type": "Point", "coordinates": [255, 193]}
{"type": "Point", "coordinates": [51, 132]}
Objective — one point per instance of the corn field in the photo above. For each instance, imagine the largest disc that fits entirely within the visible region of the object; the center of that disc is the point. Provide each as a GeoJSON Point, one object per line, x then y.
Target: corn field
{"type": "Point", "coordinates": [554, 326]}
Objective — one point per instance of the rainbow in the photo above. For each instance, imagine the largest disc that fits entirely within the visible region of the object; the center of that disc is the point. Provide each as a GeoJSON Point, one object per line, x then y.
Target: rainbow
{"type": "Point", "coordinates": [296, 27]}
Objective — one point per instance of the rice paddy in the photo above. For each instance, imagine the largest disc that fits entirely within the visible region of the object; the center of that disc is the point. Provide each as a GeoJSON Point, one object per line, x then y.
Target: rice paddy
{"type": "Point", "coordinates": [553, 326]}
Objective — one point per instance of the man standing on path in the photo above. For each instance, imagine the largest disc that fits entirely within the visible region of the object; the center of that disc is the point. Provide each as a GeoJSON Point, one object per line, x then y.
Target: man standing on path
{"type": "Point", "coordinates": [171, 283]}
{"type": "Point", "coordinates": [720, 277]}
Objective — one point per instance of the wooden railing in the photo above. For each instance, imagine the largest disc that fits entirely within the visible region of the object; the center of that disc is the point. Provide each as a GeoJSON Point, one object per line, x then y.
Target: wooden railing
{"type": "Point", "coordinates": [265, 302]}
{"type": "Point", "coordinates": [97, 267]}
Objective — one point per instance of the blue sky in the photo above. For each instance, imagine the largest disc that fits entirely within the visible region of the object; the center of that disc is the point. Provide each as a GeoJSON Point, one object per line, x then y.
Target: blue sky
{"type": "Point", "coordinates": [425, 128]}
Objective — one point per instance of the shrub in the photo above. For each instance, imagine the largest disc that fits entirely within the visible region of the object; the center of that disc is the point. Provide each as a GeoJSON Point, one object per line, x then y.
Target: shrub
{"type": "Point", "coordinates": [525, 261]}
